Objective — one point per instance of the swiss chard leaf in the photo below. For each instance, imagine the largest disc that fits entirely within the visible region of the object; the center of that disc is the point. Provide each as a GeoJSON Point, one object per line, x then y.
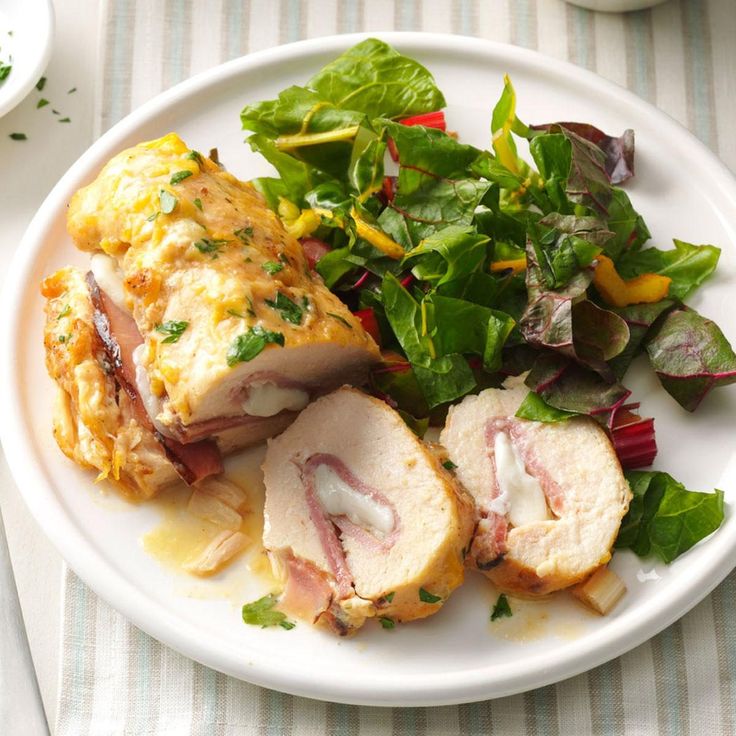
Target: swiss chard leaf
{"type": "Point", "coordinates": [534, 407]}
{"type": "Point", "coordinates": [691, 356]}
{"type": "Point", "coordinates": [565, 385]}
{"type": "Point", "coordinates": [665, 518]}
{"type": "Point", "coordinates": [441, 379]}
{"type": "Point", "coordinates": [686, 264]}
{"type": "Point", "coordinates": [365, 171]}
{"type": "Point", "coordinates": [375, 79]}
{"type": "Point", "coordinates": [618, 152]}
{"type": "Point", "coordinates": [448, 255]}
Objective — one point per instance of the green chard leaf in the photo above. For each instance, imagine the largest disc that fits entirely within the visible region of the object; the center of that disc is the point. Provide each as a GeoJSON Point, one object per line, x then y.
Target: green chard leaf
{"type": "Point", "coordinates": [250, 344]}
{"type": "Point", "coordinates": [173, 329]}
{"type": "Point", "coordinates": [261, 613]}
{"type": "Point", "coordinates": [502, 609]}
{"type": "Point", "coordinates": [365, 170]}
{"type": "Point", "coordinates": [377, 80]}
{"type": "Point", "coordinates": [290, 311]}
{"type": "Point", "coordinates": [691, 356]}
{"type": "Point", "coordinates": [686, 264]}
{"type": "Point", "coordinates": [534, 407]}
{"type": "Point", "coordinates": [666, 519]}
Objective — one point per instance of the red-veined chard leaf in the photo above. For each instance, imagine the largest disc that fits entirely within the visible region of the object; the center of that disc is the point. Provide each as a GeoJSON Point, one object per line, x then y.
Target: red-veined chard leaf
{"type": "Point", "coordinates": [618, 152]}
{"type": "Point", "coordinates": [565, 385]}
{"type": "Point", "coordinates": [691, 356]}
{"type": "Point", "coordinates": [666, 519]}
{"type": "Point", "coordinates": [686, 264]}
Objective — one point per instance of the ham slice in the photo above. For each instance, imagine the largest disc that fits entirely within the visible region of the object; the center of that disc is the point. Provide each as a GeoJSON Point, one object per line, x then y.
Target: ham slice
{"type": "Point", "coordinates": [120, 337]}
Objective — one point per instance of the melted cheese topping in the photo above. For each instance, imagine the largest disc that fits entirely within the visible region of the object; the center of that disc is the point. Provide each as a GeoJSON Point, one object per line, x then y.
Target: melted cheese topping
{"type": "Point", "coordinates": [522, 498]}
{"type": "Point", "coordinates": [109, 279]}
{"type": "Point", "coordinates": [266, 399]}
{"type": "Point", "coordinates": [340, 499]}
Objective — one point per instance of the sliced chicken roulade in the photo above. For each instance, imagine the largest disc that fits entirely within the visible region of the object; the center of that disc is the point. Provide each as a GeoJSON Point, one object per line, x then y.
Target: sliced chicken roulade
{"type": "Point", "coordinates": [361, 517]}
{"type": "Point", "coordinates": [550, 497]}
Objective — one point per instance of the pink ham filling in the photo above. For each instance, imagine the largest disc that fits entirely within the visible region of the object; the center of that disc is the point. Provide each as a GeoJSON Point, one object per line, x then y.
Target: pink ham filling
{"type": "Point", "coordinates": [120, 337]}
{"type": "Point", "coordinates": [327, 525]}
{"type": "Point", "coordinates": [489, 543]}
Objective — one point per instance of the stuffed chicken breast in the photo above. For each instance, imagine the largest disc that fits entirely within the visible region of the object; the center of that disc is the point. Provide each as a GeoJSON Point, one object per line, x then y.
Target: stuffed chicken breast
{"type": "Point", "coordinates": [550, 497]}
{"type": "Point", "coordinates": [360, 517]}
{"type": "Point", "coordinates": [237, 333]}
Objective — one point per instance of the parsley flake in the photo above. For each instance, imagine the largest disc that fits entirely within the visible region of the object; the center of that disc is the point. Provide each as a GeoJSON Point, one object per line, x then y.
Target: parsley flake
{"type": "Point", "coordinates": [18, 136]}
{"type": "Point", "coordinates": [152, 217]}
{"type": "Point", "coordinates": [245, 233]}
{"type": "Point", "coordinates": [195, 156]}
{"type": "Point", "coordinates": [247, 346]}
{"type": "Point", "coordinates": [235, 313]}
{"type": "Point", "coordinates": [41, 83]}
{"type": "Point", "coordinates": [386, 622]}
{"type": "Point", "coordinates": [198, 203]}
{"type": "Point", "coordinates": [208, 245]}
{"type": "Point", "coordinates": [65, 120]}
{"type": "Point", "coordinates": [64, 312]}
{"type": "Point", "coordinates": [389, 596]}
{"type": "Point", "coordinates": [290, 311]}
{"type": "Point", "coordinates": [41, 103]}
{"type": "Point", "coordinates": [179, 176]}
{"type": "Point", "coordinates": [173, 329]}
{"type": "Point", "coordinates": [340, 319]}
{"type": "Point", "coordinates": [271, 267]}
{"type": "Point", "coordinates": [5, 70]}
{"type": "Point", "coordinates": [72, 91]}
{"type": "Point", "coordinates": [167, 200]}
{"type": "Point", "coordinates": [501, 609]}
{"type": "Point", "coordinates": [261, 613]}
{"type": "Point", "coordinates": [427, 597]}
{"type": "Point", "coordinates": [449, 465]}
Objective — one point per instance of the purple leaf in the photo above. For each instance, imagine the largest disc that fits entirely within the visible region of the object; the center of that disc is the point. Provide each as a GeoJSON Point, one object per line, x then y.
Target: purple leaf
{"type": "Point", "coordinates": [691, 356]}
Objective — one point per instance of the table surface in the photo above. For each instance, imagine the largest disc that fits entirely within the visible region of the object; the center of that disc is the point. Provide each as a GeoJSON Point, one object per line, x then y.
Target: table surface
{"type": "Point", "coordinates": [37, 565]}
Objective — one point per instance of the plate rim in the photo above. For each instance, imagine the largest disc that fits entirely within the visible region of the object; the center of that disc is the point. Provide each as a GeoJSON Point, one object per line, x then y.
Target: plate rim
{"type": "Point", "coordinates": [48, 27]}
{"type": "Point", "coordinates": [113, 586]}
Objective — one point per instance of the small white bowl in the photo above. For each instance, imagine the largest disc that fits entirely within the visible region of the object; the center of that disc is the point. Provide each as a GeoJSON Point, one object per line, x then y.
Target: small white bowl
{"type": "Point", "coordinates": [615, 6]}
{"type": "Point", "coordinates": [26, 34]}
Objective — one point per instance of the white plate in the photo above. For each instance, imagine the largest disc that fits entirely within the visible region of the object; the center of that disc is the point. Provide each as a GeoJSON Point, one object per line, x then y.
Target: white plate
{"type": "Point", "coordinates": [457, 655]}
{"type": "Point", "coordinates": [31, 23]}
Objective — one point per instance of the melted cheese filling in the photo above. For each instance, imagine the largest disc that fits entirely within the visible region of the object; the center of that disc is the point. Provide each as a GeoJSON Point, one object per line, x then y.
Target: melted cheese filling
{"type": "Point", "coordinates": [521, 497]}
{"type": "Point", "coordinates": [109, 279]}
{"type": "Point", "coordinates": [266, 399]}
{"type": "Point", "coordinates": [152, 404]}
{"type": "Point", "coordinates": [340, 499]}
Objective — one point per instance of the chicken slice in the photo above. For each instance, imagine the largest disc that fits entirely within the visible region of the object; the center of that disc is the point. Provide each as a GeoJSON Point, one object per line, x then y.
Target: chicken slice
{"type": "Point", "coordinates": [239, 333]}
{"type": "Point", "coordinates": [550, 497]}
{"type": "Point", "coordinates": [361, 517]}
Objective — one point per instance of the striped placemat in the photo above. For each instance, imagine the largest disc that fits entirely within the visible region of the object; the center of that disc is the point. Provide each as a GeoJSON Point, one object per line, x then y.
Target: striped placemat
{"type": "Point", "coordinates": [116, 680]}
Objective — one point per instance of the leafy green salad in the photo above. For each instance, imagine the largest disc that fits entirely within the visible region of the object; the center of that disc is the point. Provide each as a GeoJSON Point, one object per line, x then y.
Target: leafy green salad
{"type": "Point", "coordinates": [470, 265]}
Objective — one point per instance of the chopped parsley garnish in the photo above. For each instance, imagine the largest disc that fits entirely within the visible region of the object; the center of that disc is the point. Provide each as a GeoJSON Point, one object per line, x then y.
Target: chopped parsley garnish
{"type": "Point", "coordinates": [152, 217]}
{"type": "Point", "coordinates": [41, 83]}
{"type": "Point", "coordinates": [173, 329]}
{"type": "Point", "coordinates": [167, 200]}
{"type": "Point", "coordinates": [198, 203]}
{"type": "Point", "coordinates": [179, 176]}
{"type": "Point", "coordinates": [501, 609]}
{"type": "Point", "coordinates": [271, 267]}
{"type": "Point", "coordinates": [65, 338]}
{"type": "Point", "coordinates": [18, 136]}
{"type": "Point", "coordinates": [235, 313]}
{"type": "Point", "coordinates": [247, 346]}
{"type": "Point", "coordinates": [208, 245]}
{"type": "Point", "coordinates": [340, 319]}
{"type": "Point", "coordinates": [64, 312]}
{"type": "Point", "coordinates": [72, 91]}
{"type": "Point", "coordinates": [245, 233]}
{"type": "Point", "coordinates": [195, 156]}
{"type": "Point", "coordinates": [290, 311]}
{"type": "Point", "coordinates": [449, 465]}
{"type": "Point", "coordinates": [65, 120]}
{"type": "Point", "coordinates": [426, 597]}
{"type": "Point", "coordinates": [5, 69]}
{"type": "Point", "coordinates": [41, 103]}
{"type": "Point", "coordinates": [390, 596]}
{"type": "Point", "coordinates": [386, 622]}
{"type": "Point", "coordinates": [284, 258]}
{"type": "Point", "coordinates": [261, 613]}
